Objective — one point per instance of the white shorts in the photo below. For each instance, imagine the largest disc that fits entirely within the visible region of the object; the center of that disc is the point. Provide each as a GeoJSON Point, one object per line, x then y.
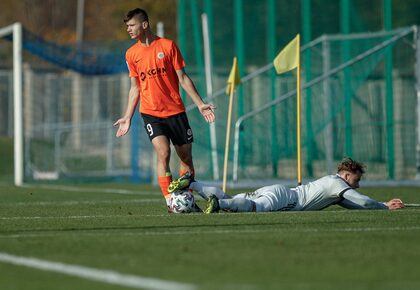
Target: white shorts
{"type": "Point", "coordinates": [273, 198]}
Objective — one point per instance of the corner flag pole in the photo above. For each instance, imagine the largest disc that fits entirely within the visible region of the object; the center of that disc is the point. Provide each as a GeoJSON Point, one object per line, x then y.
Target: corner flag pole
{"type": "Point", "coordinates": [229, 119]}
{"type": "Point", "coordinates": [232, 82]}
{"type": "Point", "coordinates": [299, 165]}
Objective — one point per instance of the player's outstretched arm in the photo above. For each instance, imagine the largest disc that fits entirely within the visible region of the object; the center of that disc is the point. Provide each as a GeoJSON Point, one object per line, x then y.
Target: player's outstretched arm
{"type": "Point", "coordinates": [124, 123]}
{"type": "Point", "coordinates": [355, 200]}
{"type": "Point", "coordinates": [395, 203]}
{"type": "Point", "coordinates": [352, 199]}
{"type": "Point", "coordinates": [207, 110]}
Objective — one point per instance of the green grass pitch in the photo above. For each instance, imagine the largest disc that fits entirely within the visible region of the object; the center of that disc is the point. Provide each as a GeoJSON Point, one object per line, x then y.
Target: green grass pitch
{"type": "Point", "coordinates": [133, 235]}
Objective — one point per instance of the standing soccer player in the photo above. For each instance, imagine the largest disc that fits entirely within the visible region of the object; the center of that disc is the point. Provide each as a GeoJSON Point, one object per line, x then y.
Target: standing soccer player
{"type": "Point", "coordinates": [156, 69]}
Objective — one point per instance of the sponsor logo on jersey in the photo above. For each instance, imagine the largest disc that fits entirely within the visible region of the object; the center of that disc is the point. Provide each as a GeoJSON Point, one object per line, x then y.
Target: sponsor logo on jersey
{"type": "Point", "coordinates": [153, 73]}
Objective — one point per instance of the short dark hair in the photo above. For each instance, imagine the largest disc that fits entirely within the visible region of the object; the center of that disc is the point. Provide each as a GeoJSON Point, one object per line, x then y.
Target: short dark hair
{"type": "Point", "coordinates": [141, 14]}
{"type": "Point", "coordinates": [348, 164]}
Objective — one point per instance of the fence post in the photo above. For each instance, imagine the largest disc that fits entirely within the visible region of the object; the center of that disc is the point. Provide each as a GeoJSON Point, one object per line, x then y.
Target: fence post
{"type": "Point", "coordinates": [271, 44]}
{"type": "Point", "coordinates": [18, 105]}
{"type": "Point", "coordinates": [389, 92]}
{"type": "Point", "coordinates": [329, 144]}
{"type": "Point", "coordinates": [417, 75]}
{"type": "Point", "coordinates": [345, 29]}
{"type": "Point", "coordinates": [307, 67]}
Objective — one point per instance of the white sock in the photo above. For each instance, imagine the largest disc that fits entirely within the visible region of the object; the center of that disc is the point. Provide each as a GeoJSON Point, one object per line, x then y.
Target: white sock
{"type": "Point", "coordinates": [238, 204]}
{"type": "Point", "coordinates": [205, 190]}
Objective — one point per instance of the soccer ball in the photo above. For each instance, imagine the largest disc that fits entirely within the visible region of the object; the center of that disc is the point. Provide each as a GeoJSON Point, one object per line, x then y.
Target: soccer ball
{"type": "Point", "coordinates": [182, 202]}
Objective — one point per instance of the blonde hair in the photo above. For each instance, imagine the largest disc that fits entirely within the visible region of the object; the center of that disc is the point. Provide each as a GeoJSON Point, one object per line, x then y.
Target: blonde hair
{"type": "Point", "coordinates": [348, 164]}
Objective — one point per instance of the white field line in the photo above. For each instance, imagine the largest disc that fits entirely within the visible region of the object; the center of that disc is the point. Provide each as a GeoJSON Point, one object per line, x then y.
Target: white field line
{"type": "Point", "coordinates": [85, 202]}
{"type": "Point", "coordinates": [80, 217]}
{"type": "Point", "coordinates": [122, 232]}
{"type": "Point", "coordinates": [105, 276]}
{"type": "Point", "coordinates": [86, 189]}
{"type": "Point", "coordinates": [117, 202]}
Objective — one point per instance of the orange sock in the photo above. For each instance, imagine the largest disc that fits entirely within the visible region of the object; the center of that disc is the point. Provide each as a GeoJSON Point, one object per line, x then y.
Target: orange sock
{"type": "Point", "coordinates": [164, 182]}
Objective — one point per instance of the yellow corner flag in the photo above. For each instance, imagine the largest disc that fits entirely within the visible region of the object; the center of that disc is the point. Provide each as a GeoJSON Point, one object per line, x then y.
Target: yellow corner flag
{"type": "Point", "coordinates": [288, 58]}
{"type": "Point", "coordinates": [234, 78]}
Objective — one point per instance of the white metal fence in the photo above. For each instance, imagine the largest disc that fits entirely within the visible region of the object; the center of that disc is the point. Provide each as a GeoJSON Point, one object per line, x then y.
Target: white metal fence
{"type": "Point", "coordinates": [67, 120]}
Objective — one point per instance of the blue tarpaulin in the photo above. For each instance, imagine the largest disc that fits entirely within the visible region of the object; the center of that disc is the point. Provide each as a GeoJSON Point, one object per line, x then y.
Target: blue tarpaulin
{"type": "Point", "coordinates": [87, 58]}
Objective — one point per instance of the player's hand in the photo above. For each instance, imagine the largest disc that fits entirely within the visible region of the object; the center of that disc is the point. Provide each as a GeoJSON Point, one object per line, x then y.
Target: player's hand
{"type": "Point", "coordinates": [207, 110]}
{"type": "Point", "coordinates": [395, 203]}
{"type": "Point", "coordinates": [123, 126]}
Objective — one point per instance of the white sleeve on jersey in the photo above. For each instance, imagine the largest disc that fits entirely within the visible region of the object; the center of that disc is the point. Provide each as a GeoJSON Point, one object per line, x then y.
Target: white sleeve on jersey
{"type": "Point", "coordinates": [355, 200]}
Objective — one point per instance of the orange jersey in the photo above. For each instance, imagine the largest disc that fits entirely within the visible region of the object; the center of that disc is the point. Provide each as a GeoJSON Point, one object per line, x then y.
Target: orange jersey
{"type": "Point", "coordinates": [155, 67]}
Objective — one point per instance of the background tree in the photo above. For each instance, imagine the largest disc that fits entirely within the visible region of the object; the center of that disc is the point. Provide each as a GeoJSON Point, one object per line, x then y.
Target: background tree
{"type": "Point", "coordinates": [55, 20]}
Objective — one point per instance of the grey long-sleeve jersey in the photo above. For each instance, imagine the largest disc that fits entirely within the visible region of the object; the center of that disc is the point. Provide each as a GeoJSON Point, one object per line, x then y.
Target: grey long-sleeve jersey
{"type": "Point", "coordinates": [316, 195]}
{"type": "Point", "coordinates": [332, 189]}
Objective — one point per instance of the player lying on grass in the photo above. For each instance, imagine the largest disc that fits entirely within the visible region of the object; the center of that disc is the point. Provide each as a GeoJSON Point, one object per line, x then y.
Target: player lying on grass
{"type": "Point", "coordinates": [317, 195]}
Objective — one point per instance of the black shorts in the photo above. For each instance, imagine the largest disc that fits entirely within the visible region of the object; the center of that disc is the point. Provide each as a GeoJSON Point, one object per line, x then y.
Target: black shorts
{"type": "Point", "coordinates": [176, 128]}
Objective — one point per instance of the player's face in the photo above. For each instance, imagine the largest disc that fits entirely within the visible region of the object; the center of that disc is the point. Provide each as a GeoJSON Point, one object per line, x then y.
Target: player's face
{"type": "Point", "coordinates": [353, 179]}
{"type": "Point", "coordinates": [135, 28]}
